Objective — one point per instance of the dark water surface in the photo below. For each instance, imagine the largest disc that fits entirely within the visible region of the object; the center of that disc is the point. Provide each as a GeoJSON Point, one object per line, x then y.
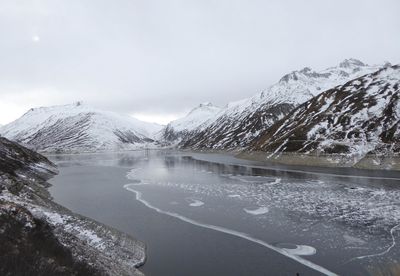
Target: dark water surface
{"type": "Point", "coordinates": [211, 214]}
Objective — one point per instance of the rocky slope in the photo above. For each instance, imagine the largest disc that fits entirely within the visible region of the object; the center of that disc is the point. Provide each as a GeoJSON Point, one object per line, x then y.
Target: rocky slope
{"type": "Point", "coordinates": [78, 128]}
{"type": "Point", "coordinates": [182, 128]}
{"type": "Point", "coordinates": [357, 118]}
{"type": "Point", "coordinates": [39, 237]}
{"type": "Point", "coordinates": [239, 123]}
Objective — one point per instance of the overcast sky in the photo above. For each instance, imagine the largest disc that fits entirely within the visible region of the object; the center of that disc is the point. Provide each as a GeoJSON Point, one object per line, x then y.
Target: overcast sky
{"type": "Point", "coordinates": [156, 59]}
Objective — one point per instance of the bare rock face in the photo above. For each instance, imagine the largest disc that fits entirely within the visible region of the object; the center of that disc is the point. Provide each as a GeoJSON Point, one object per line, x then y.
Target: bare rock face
{"type": "Point", "coordinates": [40, 237]}
{"type": "Point", "coordinates": [357, 118]}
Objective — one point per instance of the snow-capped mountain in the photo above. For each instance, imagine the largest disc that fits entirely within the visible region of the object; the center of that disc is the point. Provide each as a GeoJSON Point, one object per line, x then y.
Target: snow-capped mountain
{"type": "Point", "coordinates": [240, 122]}
{"type": "Point", "coordinates": [359, 117]}
{"type": "Point", "coordinates": [78, 127]}
{"type": "Point", "coordinates": [177, 130]}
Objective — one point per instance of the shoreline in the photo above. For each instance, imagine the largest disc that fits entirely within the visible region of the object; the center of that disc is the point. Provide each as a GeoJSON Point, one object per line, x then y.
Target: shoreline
{"type": "Point", "coordinates": [308, 169]}
{"type": "Point", "coordinates": [40, 235]}
{"type": "Point", "coordinates": [367, 162]}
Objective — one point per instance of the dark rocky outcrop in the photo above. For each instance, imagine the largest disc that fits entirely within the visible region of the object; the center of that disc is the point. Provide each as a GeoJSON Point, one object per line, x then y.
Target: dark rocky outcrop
{"type": "Point", "coordinates": [40, 237]}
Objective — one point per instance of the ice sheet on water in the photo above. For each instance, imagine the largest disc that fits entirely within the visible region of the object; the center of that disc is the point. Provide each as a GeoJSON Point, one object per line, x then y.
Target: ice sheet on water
{"type": "Point", "coordinates": [258, 211]}
{"type": "Point", "coordinates": [327, 198]}
{"type": "Point", "coordinates": [195, 202]}
{"type": "Point", "coordinates": [302, 250]}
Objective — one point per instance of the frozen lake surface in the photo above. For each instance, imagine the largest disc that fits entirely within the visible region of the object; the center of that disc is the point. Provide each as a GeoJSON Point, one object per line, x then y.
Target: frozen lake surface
{"type": "Point", "coordinates": [213, 214]}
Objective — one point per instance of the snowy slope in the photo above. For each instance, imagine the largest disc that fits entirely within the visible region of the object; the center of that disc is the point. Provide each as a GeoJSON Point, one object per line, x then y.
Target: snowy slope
{"type": "Point", "coordinates": [240, 122]}
{"type": "Point", "coordinates": [180, 128]}
{"type": "Point", "coordinates": [359, 117]}
{"type": "Point", "coordinates": [16, 160]}
{"type": "Point", "coordinates": [77, 127]}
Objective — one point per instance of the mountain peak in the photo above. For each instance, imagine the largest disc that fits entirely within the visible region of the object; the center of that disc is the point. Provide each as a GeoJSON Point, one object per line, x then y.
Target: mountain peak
{"type": "Point", "coordinates": [305, 70]}
{"type": "Point", "coordinates": [296, 75]}
{"type": "Point", "coordinates": [291, 76]}
{"type": "Point", "coordinates": [65, 106]}
{"type": "Point", "coordinates": [203, 106]}
{"type": "Point", "coordinates": [351, 62]}
{"type": "Point", "coordinates": [62, 128]}
{"type": "Point", "coordinates": [206, 104]}
{"type": "Point", "coordinates": [179, 128]}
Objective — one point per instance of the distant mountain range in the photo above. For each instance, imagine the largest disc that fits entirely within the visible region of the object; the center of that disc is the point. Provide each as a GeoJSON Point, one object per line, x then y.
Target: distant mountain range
{"type": "Point", "coordinates": [350, 109]}
{"type": "Point", "coordinates": [239, 123]}
{"type": "Point", "coordinates": [235, 126]}
{"type": "Point", "coordinates": [78, 127]}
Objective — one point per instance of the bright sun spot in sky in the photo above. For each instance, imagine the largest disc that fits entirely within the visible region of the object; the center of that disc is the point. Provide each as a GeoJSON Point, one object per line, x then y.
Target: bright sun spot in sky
{"type": "Point", "coordinates": [35, 38]}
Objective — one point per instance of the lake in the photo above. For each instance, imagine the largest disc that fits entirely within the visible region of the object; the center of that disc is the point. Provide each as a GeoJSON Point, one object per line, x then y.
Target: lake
{"type": "Point", "coordinates": [213, 214]}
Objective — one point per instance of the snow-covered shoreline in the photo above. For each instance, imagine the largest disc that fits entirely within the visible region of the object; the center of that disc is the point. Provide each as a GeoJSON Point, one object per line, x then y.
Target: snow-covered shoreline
{"type": "Point", "coordinates": [103, 248]}
{"type": "Point", "coordinates": [27, 211]}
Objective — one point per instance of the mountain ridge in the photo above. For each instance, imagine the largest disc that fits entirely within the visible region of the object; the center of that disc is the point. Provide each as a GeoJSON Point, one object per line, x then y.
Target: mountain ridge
{"type": "Point", "coordinates": [235, 126]}
{"type": "Point", "coordinates": [78, 127]}
{"type": "Point", "coordinates": [357, 118]}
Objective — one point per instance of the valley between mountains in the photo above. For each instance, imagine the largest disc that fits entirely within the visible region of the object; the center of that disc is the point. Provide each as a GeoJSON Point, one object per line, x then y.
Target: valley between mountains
{"type": "Point", "coordinates": [304, 173]}
{"type": "Point", "coordinates": [346, 115]}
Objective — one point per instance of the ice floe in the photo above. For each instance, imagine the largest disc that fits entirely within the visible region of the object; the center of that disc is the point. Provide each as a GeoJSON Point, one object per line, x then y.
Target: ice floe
{"type": "Point", "coordinates": [299, 250]}
{"type": "Point", "coordinates": [296, 257]}
{"type": "Point", "coordinates": [276, 181]}
{"type": "Point", "coordinates": [195, 202]}
{"type": "Point", "coordinates": [259, 211]}
{"type": "Point", "coordinates": [353, 240]}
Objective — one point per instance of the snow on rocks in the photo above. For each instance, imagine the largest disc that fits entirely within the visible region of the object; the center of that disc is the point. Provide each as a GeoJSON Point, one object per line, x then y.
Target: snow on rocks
{"type": "Point", "coordinates": [103, 247]}
{"type": "Point", "coordinates": [24, 199]}
{"type": "Point", "coordinates": [354, 119]}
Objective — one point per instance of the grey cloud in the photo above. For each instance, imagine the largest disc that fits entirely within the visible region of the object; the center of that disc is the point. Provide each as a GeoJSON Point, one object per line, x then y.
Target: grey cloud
{"type": "Point", "coordinates": [159, 56]}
